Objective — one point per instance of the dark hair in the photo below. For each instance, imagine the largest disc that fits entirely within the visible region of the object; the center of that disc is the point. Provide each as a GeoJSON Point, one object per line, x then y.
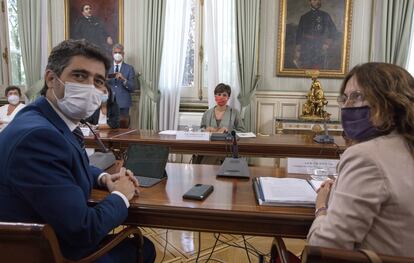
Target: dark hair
{"type": "Point", "coordinates": [221, 87]}
{"type": "Point", "coordinates": [83, 6]}
{"type": "Point", "coordinates": [111, 97]}
{"type": "Point", "coordinates": [9, 88]}
{"type": "Point", "coordinates": [389, 90]}
{"type": "Point", "coordinates": [117, 45]}
{"type": "Point", "coordinates": [62, 54]}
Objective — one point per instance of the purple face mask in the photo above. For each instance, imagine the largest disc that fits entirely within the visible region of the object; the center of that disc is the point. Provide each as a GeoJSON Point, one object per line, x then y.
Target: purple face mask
{"type": "Point", "coordinates": [357, 124]}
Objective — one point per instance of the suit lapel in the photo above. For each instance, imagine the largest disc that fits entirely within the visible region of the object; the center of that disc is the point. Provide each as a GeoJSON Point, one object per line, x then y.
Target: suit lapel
{"type": "Point", "coordinates": [56, 121]}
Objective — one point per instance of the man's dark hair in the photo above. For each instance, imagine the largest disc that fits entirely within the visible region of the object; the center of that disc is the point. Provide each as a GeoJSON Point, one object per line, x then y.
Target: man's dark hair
{"type": "Point", "coordinates": [9, 88]}
{"type": "Point", "coordinates": [83, 6]}
{"type": "Point", "coordinates": [221, 87]}
{"type": "Point", "coordinates": [61, 55]}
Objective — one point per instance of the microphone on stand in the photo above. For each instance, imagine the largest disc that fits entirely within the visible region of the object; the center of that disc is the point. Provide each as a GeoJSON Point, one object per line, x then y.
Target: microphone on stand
{"type": "Point", "coordinates": [97, 139]}
{"type": "Point", "coordinates": [234, 166]}
{"type": "Point", "coordinates": [234, 147]}
{"type": "Point", "coordinates": [324, 138]}
{"type": "Point", "coordinates": [104, 159]}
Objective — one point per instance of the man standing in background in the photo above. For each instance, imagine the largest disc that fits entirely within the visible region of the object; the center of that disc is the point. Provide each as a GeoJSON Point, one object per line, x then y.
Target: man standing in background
{"type": "Point", "coordinates": [121, 78]}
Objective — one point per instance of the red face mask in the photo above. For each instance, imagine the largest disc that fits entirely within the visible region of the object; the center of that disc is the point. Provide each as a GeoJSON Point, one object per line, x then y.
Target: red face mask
{"type": "Point", "coordinates": [221, 101]}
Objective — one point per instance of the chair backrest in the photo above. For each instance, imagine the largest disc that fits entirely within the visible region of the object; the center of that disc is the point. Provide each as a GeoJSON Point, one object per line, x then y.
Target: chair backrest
{"type": "Point", "coordinates": [124, 122]}
{"type": "Point", "coordinates": [313, 254]}
{"type": "Point", "coordinates": [31, 243]}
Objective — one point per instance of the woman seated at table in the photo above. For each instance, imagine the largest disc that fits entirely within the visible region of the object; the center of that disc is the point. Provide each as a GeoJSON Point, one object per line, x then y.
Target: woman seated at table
{"type": "Point", "coordinates": [370, 205]}
{"type": "Point", "coordinates": [8, 111]}
{"type": "Point", "coordinates": [222, 118]}
{"type": "Point", "coordinates": [107, 116]}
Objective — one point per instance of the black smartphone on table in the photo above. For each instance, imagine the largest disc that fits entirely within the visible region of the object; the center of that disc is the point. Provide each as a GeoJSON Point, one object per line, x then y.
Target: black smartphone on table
{"type": "Point", "coordinates": [199, 192]}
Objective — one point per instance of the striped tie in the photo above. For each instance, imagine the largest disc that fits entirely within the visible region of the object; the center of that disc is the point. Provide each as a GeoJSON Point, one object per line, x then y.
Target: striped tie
{"type": "Point", "coordinates": [79, 137]}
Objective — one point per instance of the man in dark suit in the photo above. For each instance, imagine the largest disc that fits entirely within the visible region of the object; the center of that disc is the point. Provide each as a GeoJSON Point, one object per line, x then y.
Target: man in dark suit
{"type": "Point", "coordinates": [314, 38]}
{"type": "Point", "coordinates": [45, 173]}
{"type": "Point", "coordinates": [121, 80]}
{"type": "Point", "coordinates": [91, 28]}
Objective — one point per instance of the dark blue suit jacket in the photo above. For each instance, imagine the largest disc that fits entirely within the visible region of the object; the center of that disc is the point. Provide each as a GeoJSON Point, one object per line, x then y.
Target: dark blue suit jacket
{"type": "Point", "coordinates": [122, 91]}
{"type": "Point", "coordinates": [46, 178]}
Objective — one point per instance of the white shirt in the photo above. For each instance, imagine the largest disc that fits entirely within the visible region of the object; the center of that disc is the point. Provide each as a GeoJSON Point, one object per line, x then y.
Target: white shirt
{"type": "Point", "coordinates": [72, 126]}
{"type": "Point", "coordinates": [119, 66]}
{"type": "Point", "coordinates": [103, 119]}
{"type": "Point", "coordinates": [8, 118]}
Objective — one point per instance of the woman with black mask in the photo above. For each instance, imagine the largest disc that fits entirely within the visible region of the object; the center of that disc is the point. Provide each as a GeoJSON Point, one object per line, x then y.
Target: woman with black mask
{"type": "Point", "coordinates": [370, 205]}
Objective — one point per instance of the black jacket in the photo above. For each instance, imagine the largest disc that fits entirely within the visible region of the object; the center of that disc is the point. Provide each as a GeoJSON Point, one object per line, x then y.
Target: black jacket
{"type": "Point", "coordinates": [113, 115]}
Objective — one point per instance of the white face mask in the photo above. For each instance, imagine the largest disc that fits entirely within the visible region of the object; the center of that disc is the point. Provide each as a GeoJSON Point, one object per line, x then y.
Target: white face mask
{"type": "Point", "coordinates": [80, 100]}
{"type": "Point", "coordinates": [118, 57]}
{"type": "Point", "coordinates": [104, 98]}
{"type": "Point", "coordinates": [13, 99]}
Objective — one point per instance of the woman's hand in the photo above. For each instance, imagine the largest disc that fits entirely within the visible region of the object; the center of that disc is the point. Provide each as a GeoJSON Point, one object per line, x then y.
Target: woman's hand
{"type": "Point", "coordinates": [222, 130]}
{"type": "Point", "coordinates": [323, 194]}
{"type": "Point", "coordinates": [211, 129]}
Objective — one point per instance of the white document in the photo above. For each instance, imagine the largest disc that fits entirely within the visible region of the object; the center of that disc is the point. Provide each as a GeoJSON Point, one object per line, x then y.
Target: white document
{"type": "Point", "coordinates": [316, 184]}
{"type": "Point", "coordinates": [302, 165]}
{"type": "Point", "coordinates": [168, 132]}
{"type": "Point", "coordinates": [193, 136]}
{"type": "Point", "coordinates": [246, 135]}
{"type": "Point", "coordinates": [85, 131]}
{"type": "Point", "coordinates": [287, 191]}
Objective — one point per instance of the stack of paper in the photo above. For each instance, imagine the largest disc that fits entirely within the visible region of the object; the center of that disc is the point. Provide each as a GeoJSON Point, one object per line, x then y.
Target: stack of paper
{"type": "Point", "coordinates": [284, 192]}
{"type": "Point", "coordinates": [246, 135]}
{"type": "Point", "coordinates": [316, 184]}
{"type": "Point", "coordinates": [168, 132]}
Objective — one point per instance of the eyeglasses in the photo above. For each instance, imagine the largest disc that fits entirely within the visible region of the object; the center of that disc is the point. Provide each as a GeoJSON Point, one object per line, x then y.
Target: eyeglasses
{"type": "Point", "coordinates": [355, 99]}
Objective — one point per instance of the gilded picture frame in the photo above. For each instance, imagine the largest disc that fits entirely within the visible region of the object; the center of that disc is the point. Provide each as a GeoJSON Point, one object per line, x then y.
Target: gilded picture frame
{"type": "Point", "coordinates": [314, 35]}
{"type": "Point", "coordinates": [101, 23]}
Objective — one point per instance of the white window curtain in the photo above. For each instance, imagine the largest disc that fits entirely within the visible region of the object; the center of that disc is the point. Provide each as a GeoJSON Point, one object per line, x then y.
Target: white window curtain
{"type": "Point", "coordinates": [220, 43]}
{"type": "Point", "coordinates": [177, 23]}
{"type": "Point", "coordinates": [410, 63]}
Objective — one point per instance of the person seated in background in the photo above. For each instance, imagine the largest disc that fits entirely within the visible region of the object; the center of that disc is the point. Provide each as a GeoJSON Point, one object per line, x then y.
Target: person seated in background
{"type": "Point", "coordinates": [219, 119]}
{"type": "Point", "coordinates": [8, 111]}
{"type": "Point", "coordinates": [107, 116]}
{"type": "Point", "coordinates": [222, 118]}
{"type": "Point", "coordinates": [370, 205]}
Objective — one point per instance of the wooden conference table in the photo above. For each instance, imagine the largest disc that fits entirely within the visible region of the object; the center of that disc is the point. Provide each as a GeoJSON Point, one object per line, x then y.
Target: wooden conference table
{"type": "Point", "coordinates": [275, 146]}
{"type": "Point", "coordinates": [231, 207]}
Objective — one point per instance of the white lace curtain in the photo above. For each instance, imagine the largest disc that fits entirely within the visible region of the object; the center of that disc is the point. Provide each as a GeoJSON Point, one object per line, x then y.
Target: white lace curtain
{"type": "Point", "coordinates": [177, 23]}
{"type": "Point", "coordinates": [221, 49]}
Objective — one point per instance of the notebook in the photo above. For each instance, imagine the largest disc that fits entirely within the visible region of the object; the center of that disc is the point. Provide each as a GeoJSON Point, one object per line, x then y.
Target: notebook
{"type": "Point", "coordinates": [147, 162]}
{"type": "Point", "coordinates": [284, 192]}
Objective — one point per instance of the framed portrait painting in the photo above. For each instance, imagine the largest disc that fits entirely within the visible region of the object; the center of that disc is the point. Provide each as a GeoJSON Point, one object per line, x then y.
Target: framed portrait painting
{"type": "Point", "coordinates": [98, 21]}
{"type": "Point", "coordinates": [314, 35]}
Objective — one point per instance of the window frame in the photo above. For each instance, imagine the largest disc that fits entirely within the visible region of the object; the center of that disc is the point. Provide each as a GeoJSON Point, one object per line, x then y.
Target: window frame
{"type": "Point", "coordinates": [197, 93]}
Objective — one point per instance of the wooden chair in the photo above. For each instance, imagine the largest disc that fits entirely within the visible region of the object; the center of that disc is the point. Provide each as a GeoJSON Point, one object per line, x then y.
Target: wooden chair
{"type": "Point", "coordinates": [124, 122]}
{"type": "Point", "coordinates": [314, 254]}
{"type": "Point", "coordinates": [37, 243]}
